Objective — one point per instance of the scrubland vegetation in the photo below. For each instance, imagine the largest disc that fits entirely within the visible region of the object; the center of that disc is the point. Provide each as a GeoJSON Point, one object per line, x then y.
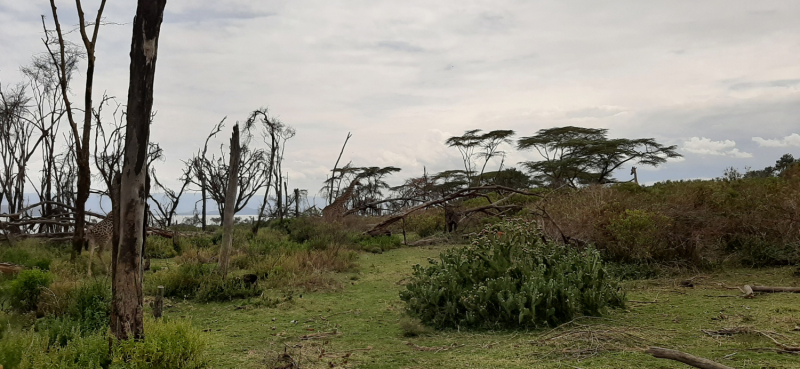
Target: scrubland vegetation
{"type": "Point", "coordinates": [586, 277]}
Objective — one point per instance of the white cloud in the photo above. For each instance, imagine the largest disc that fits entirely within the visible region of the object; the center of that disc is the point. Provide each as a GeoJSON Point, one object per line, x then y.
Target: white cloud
{"type": "Point", "coordinates": [790, 140]}
{"type": "Point", "coordinates": [706, 146]}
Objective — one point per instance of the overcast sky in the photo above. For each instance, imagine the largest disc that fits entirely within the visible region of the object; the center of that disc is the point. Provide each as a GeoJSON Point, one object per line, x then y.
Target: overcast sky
{"type": "Point", "coordinates": [720, 79]}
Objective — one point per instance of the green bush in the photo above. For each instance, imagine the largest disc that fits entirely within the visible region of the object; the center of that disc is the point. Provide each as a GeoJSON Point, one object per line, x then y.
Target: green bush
{"type": "Point", "coordinates": [29, 253]}
{"type": "Point", "coordinates": [158, 247]}
{"type": "Point", "coordinates": [28, 350]}
{"type": "Point", "coordinates": [509, 277]}
{"type": "Point", "coordinates": [381, 243]}
{"type": "Point", "coordinates": [758, 251]}
{"type": "Point", "coordinates": [24, 291]}
{"type": "Point", "coordinates": [201, 281]}
{"type": "Point", "coordinates": [183, 281]}
{"type": "Point", "coordinates": [166, 345]}
{"type": "Point", "coordinates": [426, 223]}
{"type": "Point", "coordinates": [214, 288]}
{"type": "Point", "coordinates": [90, 305]}
{"type": "Point", "coordinates": [636, 235]}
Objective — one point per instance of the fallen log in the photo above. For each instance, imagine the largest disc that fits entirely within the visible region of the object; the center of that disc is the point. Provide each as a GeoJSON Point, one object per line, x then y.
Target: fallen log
{"type": "Point", "coordinates": [8, 268]}
{"type": "Point", "coordinates": [697, 362]}
{"type": "Point", "coordinates": [381, 227]}
{"type": "Point", "coordinates": [775, 289]}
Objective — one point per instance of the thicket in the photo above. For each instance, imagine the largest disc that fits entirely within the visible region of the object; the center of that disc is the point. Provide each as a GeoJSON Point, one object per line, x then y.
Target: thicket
{"type": "Point", "coordinates": [510, 277]}
{"type": "Point", "coordinates": [748, 219]}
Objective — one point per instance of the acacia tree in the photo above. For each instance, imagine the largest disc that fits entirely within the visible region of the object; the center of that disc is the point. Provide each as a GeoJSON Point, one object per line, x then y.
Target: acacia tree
{"type": "Point", "coordinates": [574, 155]}
{"type": "Point", "coordinates": [474, 146]}
{"type": "Point", "coordinates": [80, 139]}
{"type": "Point", "coordinates": [126, 308]}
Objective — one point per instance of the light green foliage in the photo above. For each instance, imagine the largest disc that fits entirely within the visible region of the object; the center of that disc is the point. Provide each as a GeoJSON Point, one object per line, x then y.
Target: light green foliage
{"type": "Point", "coordinates": [24, 291]}
{"type": "Point", "coordinates": [201, 281]}
{"type": "Point", "coordinates": [166, 345]}
{"type": "Point", "coordinates": [90, 305]}
{"type": "Point", "coordinates": [159, 248]}
{"type": "Point", "coordinates": [29, 253]}
{"type": "Point", "coordinates": [509, 277]}
{"type": "Point", "coordinates": [426, 223]}
{"type": "Point", "coordinates": [636, 235]}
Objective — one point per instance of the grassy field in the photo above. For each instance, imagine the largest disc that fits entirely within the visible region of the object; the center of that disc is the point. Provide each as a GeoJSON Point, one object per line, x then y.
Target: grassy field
{"type": "Point", "coordinates": [358, 325]}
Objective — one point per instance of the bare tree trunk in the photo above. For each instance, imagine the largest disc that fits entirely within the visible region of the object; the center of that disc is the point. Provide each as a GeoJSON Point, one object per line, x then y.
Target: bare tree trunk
{"type": "Point", "coordinates": [297, 203]}
{"type": "Point", "coordinates": [230, 203]}
{"type": "Point", "coordinates": [126, 313]}
{"type": "Point", "coordinates": [203, 195]}
{"type": "Point", "coordinates": [333, 171]}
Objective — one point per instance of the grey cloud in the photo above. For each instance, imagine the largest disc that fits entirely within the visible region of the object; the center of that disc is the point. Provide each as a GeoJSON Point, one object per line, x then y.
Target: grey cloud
{"type": "Point", "coordinates": [594, 112]}
{"type": "Point", "coordinates": [400, 46]}
{"type": "Point", "coordinates": [766, 84]}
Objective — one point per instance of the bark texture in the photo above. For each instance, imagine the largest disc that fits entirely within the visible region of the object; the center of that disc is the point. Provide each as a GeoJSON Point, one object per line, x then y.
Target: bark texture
{"type": "Point", "coordinates": [126, 316]}
{"type": "Point", "coordinates": [230, 202]}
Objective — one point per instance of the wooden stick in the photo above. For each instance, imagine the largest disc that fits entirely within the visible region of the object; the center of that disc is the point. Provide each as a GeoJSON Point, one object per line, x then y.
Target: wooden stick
{"type": "Point", "coordinates": [697, 362]}
{"type": "Point", "coordinates": [158, 305]}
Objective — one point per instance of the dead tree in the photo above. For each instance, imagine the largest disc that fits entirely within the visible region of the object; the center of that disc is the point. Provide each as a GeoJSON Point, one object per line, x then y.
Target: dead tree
{"type": "Point", "coordinates": [270, 136]}
{"type": "Point", "coordinates": [81, 139]}
{"type": "Point", "coordinates": [335, 166]}
{"type": "Point", "coordinates": [166, 210]}
{"type": "Point", "coordinates": [230, 202]}
{"type": "Point", "coordinates": [126, 311]}
{"type": "Point", "coordinates": [481, 191]}
{"type": "Point", "coordinates": [201, 177]}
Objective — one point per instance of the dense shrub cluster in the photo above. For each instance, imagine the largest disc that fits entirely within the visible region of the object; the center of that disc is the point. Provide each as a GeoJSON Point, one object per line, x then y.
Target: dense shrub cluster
{"type": "Point", "coordinates": [698, 222]}
{"type": "Point", "coordinates": [23, 293]}
{"type": "Point", "coordinates": [167, 344]}
{"type": "Point", "coordinates": [509, 277]}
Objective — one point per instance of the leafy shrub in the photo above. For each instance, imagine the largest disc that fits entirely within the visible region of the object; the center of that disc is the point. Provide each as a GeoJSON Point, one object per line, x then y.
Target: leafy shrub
{"type": "Point", "coordinates": [167, 345]}
{"type": "Point", "coordinates": [426, 223]}
{"type": "Point", "coordinates": [636, 235]}
{"type": "Point", "coordinates": [509, 277]}
{"type": "Point", "coordinates": [757, 251]}
{"type": "Point", "coordinates": [183, 281]}
{"type": "Point", "coordinates": [29, 253]}
{"type": "Point", "coordinates": [214, 288]}
{"type": "Point", "coordinates": [200, 281]}
{"type": "Point", "coordinates": [28, 349]}
{"type": "Point", "coordinates": [24, 291]}
{"type": "Point", "coordinates": [90, 305]}
{"type": "Point", "coordinates": [381, 243]}
{"type": "Point", "coordinates": [159, 247]}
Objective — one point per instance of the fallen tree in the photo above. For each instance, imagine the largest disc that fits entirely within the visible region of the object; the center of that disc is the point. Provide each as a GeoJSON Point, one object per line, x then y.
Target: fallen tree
{"type": "Point", "coordinates": [382, 227]}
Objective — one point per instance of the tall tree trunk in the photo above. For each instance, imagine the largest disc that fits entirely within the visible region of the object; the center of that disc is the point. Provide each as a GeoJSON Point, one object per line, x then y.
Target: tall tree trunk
{"type": "Point", "coordinates": [126, 313]}
{"type": "Point", "coordinates": [230, 202]}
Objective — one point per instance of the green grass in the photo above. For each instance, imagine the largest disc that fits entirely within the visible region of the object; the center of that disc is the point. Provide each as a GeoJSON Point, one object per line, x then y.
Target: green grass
{"type": "Point", "coordinates": [357, 326]}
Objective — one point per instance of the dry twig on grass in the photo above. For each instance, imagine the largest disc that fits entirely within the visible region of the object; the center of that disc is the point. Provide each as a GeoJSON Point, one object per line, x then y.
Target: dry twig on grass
{"type": "Point", "coordinates": [585, 341]}
{"type": "Point", "coordinates": [697, 362]}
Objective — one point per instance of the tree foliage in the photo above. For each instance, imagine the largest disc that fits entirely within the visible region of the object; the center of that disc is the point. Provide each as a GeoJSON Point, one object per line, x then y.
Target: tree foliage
{"type": "Point", "coordinates": [574, 155]}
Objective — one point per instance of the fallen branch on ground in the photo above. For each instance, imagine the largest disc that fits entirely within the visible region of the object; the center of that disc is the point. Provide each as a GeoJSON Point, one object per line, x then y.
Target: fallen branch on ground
{"type": "Point", "coordinates": [697, 362]}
